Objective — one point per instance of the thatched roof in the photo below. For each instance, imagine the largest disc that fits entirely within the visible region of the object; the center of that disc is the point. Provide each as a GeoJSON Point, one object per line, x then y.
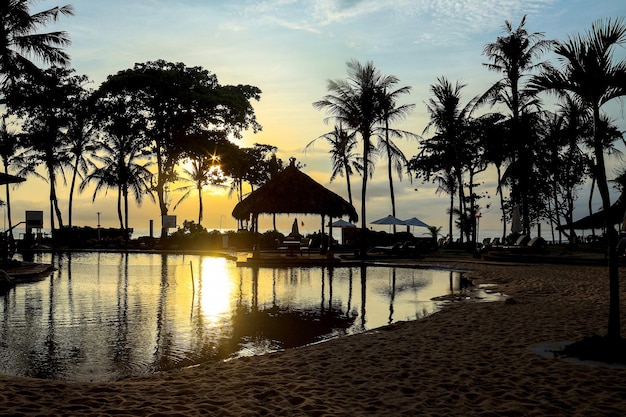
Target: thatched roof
{"type": "Point", "coordinates": [9, 179]}
{"type": "Point", "coordinates": [597, 220]}
{"type": "Point", "coordinates": [292, 191]}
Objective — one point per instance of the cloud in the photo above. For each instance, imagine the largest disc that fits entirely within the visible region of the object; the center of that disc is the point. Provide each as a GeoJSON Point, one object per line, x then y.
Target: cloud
{"type": "Point", "coordinates": [438, 21]}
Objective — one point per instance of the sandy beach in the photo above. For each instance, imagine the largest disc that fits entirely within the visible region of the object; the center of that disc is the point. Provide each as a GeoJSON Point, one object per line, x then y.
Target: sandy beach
{"type": "Point", "coordinates": [471, 359]}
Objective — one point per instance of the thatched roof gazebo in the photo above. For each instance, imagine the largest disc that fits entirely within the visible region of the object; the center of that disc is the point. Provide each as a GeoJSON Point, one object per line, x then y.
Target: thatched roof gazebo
{"type": "Point", "coordinates": [9, 179]}
{"type": "Point", "coordinates": [293, 192]}
{"type": "Point", "coordinates": [597, 220]}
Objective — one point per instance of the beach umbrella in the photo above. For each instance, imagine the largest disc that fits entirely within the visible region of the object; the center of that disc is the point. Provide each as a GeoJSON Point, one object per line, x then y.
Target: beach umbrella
{"type": "Point", "coordinates": [391, 220]}
{"type": "Point", "coordinates": [342, 223]}
{"type": "Point", "coordinates": [414, 221]}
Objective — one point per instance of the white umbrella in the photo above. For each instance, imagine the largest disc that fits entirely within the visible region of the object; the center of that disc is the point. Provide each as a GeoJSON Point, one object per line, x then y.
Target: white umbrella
{"type": "Point", "coordinates": [516, 221]}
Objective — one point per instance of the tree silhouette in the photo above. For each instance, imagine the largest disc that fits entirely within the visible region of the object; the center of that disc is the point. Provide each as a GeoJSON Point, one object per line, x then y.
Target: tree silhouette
{"type": "Point", "coordinates": [46, 103]}
{"type": "Point", "coordinates": [446, 150]}
{"type": "Point", "coordinates": [180, 106]}
{"type": "Point", "coordinates": [10, 146]}
{"type": "Point", "coordinates": [355, 103]}
{"type": "Point", "coordinates": [514, 55]}
{"type": "Point", "coordinates": [119, 167]}
{"type": "Point", "coordinates": [204, 171]}
{"type": "Point", "coordinates": [20, 40]}
{"type": "Point", "coordinates": [345, 160]}
{"type": "Point", "coordinates": [589, 74]}
{"type": "Point", "coordinates": [390, 112]}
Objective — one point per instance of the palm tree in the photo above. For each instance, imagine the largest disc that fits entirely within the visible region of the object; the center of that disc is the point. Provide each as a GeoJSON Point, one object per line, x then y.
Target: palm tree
{"type": "Point", "coordinates": [342, 154]}
{"type": "Point", "coordinates": [496, 151]}
{"type": "Point", "coordinates": [391, 112]}
{"type": "Point", "coordinates": [589, 74]}
{"type": "Point", "coordinates": [9, 147]}
{"type": "Point", "coordinates": [203, 172]}
{"type": "Point", "coordinates": [20, 40]}
{"type": "Point", "coordinates": [46, 106]}
{"type": "Point", "coordinates": [515, 55]}
{"type": "Point", "coordinates": [120, 169]}
{"type": "Point", "coordinates": [450, 121]}
{"type": "Point", "coordinates": [79, 143]}
{"type": "Point", "coordinates": [355, 103]}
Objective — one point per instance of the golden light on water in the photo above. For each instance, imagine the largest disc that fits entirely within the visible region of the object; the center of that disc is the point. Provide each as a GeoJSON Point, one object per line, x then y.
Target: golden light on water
{"type": "Point", "coordinates": [216, 287]}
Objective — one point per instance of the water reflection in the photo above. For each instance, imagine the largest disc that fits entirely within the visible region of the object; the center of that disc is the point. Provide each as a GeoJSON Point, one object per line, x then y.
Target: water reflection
{"type": "Point", "coordinates": [111, 316]}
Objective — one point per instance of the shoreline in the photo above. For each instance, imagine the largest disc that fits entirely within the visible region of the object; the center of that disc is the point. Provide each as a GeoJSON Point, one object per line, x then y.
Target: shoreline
{"type": "Point", "coordinates": [467, 359]}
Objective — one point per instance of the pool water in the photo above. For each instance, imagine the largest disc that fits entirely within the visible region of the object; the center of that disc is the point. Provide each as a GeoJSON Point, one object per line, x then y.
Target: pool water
{"type": "Point", "coordinates": [109, 316]}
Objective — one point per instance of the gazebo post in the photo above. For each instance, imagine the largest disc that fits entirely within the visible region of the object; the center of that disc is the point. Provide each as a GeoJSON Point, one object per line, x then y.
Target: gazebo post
{"type": "Point", "coordinates": [330, 232]}
{"type": "Point", "coordinates": [322, 242]}
{"type": "Point", "coordinates": [256, 252]}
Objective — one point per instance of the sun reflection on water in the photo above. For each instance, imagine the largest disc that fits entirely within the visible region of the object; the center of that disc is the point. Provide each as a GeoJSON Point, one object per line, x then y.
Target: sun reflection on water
{"type": "Point", "coordinates": [215, 289]}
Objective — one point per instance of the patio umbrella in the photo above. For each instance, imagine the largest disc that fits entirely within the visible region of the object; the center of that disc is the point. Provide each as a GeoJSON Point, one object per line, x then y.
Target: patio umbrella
{"type": "Point", "coordinates": [388, 220]}
{"type": "Point", "coordinates": [342, 223]}
{"type": "Point", "coordinates": [414, 221]}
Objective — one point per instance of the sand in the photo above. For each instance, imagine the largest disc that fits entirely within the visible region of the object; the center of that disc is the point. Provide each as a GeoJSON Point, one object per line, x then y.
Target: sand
{"type": "Point", "coordinates": [471, 359]}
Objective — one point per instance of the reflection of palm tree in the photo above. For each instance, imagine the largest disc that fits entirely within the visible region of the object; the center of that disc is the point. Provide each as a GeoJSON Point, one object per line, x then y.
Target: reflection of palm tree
{"type": "Point", "coordinates": [342, 154]}
{"type": "Point", "coordinates": [203, 172]}
{"type": "Point", "coordinates": [589, 74]}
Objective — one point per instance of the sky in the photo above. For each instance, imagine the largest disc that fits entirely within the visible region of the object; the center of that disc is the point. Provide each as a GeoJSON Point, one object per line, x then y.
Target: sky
{"type": "Point", "coordinates": [290, 49]}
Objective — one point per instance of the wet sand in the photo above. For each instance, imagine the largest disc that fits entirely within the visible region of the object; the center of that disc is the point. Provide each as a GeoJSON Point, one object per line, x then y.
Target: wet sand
{"type": "Point", "coordinates": [471, 359]}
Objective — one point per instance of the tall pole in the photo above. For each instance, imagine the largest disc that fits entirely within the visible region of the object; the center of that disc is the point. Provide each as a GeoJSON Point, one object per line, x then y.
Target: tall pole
{"type": "Point", "coordinates": [98, 225]}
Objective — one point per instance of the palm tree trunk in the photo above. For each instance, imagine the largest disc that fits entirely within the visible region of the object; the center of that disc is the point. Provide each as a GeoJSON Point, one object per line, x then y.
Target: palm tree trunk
{"type": "Point", "coordinates": [451, 217]}
{"type": "Point", "coordinates": [52, 223]}
{"type": "Point", "coordinates": [119, 207]}
{"type": "Point", "coordinates": [459, 180]}
{"type": "Point", "coordinates": [593, 185]}
{"type": "Point", "coordinates": [501, 202]}
{"type": "Point", "coordinates": [349, 186]}
{"type": "Point", "coordinates": [366, 156]}
{"type": "Point", "coordinates": [54, 202]}
{"type": "Point", "coordinates": [614, 328]}
{"type": "Point", "coordinates": [8, 198]}
{"type": "Point", "coordinates": [125, 212]}
{"type": "Point", "coordinates": [71, 197]}
{"type": "Point", "coordinates": [200, 208]}
{"type": "Point", "coordinates": [389, 174]}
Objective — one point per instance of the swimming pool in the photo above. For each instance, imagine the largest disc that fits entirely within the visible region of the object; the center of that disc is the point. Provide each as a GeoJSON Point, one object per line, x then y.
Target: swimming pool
{"type": "Point", "coordinates": [109, 316]}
